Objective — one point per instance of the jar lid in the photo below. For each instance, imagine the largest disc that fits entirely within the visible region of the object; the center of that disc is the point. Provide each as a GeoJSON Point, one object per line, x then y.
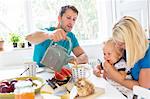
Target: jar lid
{"type": "Point", "coordinates": [20, 84]}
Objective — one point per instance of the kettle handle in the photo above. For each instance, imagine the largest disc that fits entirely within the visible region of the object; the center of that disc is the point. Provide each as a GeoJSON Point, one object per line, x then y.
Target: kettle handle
{"type": "Point", "coordinates": [70, 44]}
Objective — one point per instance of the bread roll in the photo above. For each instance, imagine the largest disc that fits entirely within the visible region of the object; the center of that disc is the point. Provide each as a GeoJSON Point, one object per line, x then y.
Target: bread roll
{"type": "Point", "coordinates": [84, 87]}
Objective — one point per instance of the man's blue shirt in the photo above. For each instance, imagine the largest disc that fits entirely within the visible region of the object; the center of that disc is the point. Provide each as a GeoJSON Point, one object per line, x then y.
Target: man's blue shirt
{"type": "Point", "coordinates": [40, 48]}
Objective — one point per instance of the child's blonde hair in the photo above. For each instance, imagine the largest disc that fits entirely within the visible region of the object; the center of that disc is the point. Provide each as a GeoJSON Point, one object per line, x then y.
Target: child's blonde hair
{"type": "Point", "coordinates": [129, 31]}
{"type": "Point", "coordinates": [110, 43]}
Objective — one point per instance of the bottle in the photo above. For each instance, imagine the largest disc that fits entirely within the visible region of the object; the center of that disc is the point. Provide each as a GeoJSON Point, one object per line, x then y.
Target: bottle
{"type": "Point", "coordinates": [24, 90]}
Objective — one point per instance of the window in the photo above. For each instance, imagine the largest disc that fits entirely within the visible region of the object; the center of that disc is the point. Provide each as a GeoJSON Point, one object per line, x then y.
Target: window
{"type": "Point", "coordinates": [24, 16]}
{"type": "Point", "coordinates": [12, 18]}
{"type": "Point", "coordinates": [86, 26]}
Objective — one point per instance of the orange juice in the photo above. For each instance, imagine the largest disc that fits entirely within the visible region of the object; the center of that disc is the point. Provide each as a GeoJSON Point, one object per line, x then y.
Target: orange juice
{"type": "Point", "coordinates": [24, 90]}
{"type": "Point", "coordinates": [25, 96]}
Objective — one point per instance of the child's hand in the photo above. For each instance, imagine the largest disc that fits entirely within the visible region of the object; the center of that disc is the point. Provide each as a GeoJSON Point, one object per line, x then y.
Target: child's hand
{"type": "Point", "coordinates": [104, 75]}
{"type": "Point", "coordinates": [97, 71]}
{"type": "Point", "coordinates": [107, 66]}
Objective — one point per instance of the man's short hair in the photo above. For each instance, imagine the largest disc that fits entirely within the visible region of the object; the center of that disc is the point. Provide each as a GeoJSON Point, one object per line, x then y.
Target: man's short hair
{"type": "Point", "coordinates": [64, 8]}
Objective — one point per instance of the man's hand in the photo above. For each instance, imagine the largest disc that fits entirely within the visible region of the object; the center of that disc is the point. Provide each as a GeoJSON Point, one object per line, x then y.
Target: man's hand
{"type": "Point", "coordinates": [59, 34]}
{"type": "Point", "coordinates": [73, 61]}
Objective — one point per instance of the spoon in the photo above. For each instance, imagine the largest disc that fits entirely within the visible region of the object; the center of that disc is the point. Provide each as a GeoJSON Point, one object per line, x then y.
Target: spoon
{"type": "Point", "coordinates": [24, 71]}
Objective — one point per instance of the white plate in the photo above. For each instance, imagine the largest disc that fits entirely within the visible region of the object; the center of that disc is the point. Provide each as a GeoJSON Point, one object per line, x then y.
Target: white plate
{"type": "Point", "coordinates": [39, 70]}
{"type": "Point", "coordinates": [49, 96]}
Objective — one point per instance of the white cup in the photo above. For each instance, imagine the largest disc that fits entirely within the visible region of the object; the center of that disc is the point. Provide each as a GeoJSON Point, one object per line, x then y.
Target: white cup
{"type": "Point", "coordinates": [81, 71]}
{"type": "Point", "coordinates": [30, 68]}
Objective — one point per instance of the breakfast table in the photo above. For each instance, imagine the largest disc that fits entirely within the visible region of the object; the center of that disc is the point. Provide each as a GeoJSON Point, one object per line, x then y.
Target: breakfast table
{"type": "Point", "coordinates": [110, 91]}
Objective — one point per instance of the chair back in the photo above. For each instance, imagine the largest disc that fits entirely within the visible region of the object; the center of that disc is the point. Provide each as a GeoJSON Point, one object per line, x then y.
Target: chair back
{"type": "Point", "coordinates": [141, 92]}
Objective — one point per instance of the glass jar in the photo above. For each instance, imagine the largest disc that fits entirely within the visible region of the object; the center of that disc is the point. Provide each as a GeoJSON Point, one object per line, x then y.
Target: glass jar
{"type": "Point", "coordinates": [24, 90]}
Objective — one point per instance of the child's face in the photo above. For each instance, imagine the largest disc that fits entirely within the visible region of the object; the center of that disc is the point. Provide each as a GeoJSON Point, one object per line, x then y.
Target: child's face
{"type": "Point", "coordinates": [110, 54]}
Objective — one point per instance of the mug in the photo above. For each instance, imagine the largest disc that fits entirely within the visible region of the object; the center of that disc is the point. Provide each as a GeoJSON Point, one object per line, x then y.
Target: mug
{"type": "Point", "coordinates": [80, 71]}
{"type": "Point", "coordinates": [30, 68]}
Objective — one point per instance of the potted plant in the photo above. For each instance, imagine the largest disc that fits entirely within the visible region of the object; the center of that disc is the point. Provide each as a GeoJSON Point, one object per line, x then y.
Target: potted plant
{"type": "Point", "coordinates": [1, 43]}
{"type": "Point", "coordinates": [14, 38]}
{"type": "Point", "coordinates": [22, 42]}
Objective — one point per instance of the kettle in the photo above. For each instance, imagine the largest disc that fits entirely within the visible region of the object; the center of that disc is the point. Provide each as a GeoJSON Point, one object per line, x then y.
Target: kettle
{"type": "Point", "coordinates": [57, 56]}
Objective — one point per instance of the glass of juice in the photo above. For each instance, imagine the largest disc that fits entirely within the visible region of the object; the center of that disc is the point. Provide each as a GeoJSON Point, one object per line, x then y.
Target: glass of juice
{"type": "Point", "coordinates": [24, 90]}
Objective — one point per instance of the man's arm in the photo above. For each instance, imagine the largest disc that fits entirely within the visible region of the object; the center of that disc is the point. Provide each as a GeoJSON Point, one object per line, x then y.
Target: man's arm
{"type": "Point", "coordinates": [37, 37]}
{"type": "Point", "coordinates": [81, 56]}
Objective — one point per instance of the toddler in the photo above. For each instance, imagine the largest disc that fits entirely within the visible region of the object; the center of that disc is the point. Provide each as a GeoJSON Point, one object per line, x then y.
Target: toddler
{"type": "Point", "coordinates": [114, 56]}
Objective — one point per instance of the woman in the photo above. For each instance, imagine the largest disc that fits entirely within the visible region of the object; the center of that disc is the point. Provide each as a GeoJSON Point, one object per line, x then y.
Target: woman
{"type": "Point", "coordinates": [129, 36]}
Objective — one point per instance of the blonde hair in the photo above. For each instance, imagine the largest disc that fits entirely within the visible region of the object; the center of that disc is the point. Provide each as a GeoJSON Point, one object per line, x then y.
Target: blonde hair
{"type": "Point", "coordinates": [110, 43]}
{"type": "Point", "coordinates": [129, 31]}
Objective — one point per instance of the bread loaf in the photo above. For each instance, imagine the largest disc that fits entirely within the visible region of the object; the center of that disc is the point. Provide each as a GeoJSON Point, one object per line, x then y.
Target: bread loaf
{"type": "Point", "coordinates": [84, 87]}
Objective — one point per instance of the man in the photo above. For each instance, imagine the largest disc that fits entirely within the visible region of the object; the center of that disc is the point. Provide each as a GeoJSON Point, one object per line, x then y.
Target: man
{"type": "Point", "coordinates": [42, 39]}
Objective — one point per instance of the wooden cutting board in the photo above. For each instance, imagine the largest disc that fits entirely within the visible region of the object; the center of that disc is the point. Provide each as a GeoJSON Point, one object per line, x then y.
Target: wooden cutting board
{"type": "Point", "coordinates": [98, 92]}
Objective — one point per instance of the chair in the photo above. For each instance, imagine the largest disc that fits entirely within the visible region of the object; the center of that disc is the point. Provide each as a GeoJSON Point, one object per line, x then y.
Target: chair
{"type": "Point", "coordinates": [141, 92]}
